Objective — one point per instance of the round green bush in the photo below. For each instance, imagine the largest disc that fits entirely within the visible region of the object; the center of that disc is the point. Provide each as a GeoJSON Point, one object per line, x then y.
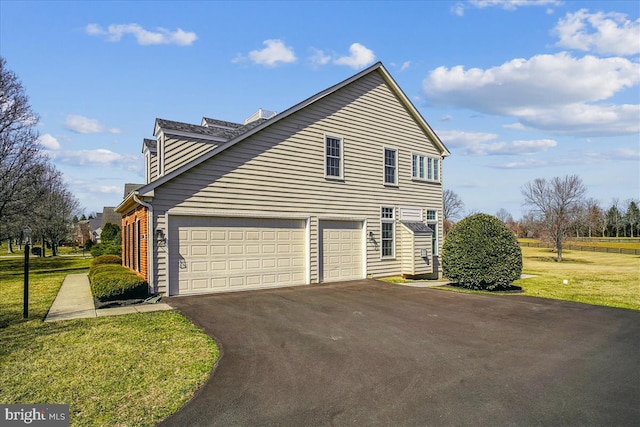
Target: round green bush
{"type": "Point", "coordinates": [480, 252]}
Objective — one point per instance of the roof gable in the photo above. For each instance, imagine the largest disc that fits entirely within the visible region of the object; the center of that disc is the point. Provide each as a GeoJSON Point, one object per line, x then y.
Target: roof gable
{"type": "Point", "coordinates": [244, 131]}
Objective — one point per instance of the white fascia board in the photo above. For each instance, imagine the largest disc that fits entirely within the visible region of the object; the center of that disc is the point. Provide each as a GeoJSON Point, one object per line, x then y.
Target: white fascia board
{"type": "Point", "coordinates": [414, 112]}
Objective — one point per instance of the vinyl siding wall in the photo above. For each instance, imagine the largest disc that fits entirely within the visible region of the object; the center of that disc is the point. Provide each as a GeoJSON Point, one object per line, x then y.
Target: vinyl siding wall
{"type": "Point", "coordinates": [280, 171]}
{"type": "Point", "coordinates": [179, 150]}
{"type": "Point", "coordinates": [153, 166]}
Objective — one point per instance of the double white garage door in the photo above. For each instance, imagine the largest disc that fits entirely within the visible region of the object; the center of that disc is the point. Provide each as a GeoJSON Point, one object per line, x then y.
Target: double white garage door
{"type": "Point", "coordinates": [224, 254]}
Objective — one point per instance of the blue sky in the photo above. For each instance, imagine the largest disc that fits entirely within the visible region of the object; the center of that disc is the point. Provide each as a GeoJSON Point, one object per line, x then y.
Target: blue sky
{"type": "Point", "coordinates": [517, 90]}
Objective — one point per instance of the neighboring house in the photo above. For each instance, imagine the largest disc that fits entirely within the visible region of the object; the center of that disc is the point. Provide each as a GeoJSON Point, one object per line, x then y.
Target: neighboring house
{"type": "Point", "coordinates": [108, 215]}
{"type": "Point", "coordinates": [82, 232]}
{"type": "Point", "coordinates": [345, 185]}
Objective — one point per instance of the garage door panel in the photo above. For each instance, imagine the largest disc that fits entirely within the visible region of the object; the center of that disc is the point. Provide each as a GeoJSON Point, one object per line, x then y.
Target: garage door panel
{"type": "Point", "coordinates": [341, 250]}
{"type": "Point", "coordinates": [215, 254]}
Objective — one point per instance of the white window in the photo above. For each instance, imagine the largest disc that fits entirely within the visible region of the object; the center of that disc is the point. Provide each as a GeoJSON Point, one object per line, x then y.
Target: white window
{"type": "Point", "coordinates": [333, 157]}
{"type": "Point", "coordinates": [387, 227]}
{"type": "Point", "coordinates": [425, 167]}
{"type": "Point", "coordinates": [390, 166]}
{"type": "Point", "coordinates": [432, 222]}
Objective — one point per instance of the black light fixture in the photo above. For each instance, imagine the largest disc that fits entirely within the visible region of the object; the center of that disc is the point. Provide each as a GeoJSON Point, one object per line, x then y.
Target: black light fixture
{"type": "Point", "coordinates": [160, 239]}
{"type": "Point", "coordinates": [372, 239]}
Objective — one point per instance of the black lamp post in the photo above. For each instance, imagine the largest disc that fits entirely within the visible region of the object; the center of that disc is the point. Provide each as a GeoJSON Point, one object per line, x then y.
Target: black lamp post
{"type": "Point", "coordinates": [26, 238]}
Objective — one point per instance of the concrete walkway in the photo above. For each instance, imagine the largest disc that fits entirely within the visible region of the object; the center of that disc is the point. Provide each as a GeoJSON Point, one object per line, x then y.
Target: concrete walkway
{"type": "Point", "coordinates": [75, 301]}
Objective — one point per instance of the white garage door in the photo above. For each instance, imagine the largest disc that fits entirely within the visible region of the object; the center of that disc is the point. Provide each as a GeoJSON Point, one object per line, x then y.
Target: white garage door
{"type": "Point", "coordinates": [340, 250]}
{"type": "Point", "coordinates": [224, 254]}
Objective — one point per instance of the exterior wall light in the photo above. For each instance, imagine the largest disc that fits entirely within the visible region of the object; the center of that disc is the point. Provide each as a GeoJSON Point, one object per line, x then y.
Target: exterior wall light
{"type": "Point", "coordinates": [160, 238]}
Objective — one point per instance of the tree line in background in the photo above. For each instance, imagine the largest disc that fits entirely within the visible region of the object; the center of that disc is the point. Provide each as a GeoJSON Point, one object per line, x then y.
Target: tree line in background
{"type": "Point", "coordinates": [32, 191]}
{"type": "Point", "coordinates": [558, 208]}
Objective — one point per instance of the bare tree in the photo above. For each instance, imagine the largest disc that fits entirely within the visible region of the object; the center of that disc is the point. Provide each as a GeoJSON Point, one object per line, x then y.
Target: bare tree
{"type": "Point", "coordinates": [56, 210]}
{"type": "Point", "coordinates": [595, 216]}
{"type": "Point", "coordinates": [554, 202]}
{"type": "Point", "coordinates": [504, 216]}
{"type": "Point", "coordinates": [21, 159]}
{"type": "Point", "coordinates": [452, 205]}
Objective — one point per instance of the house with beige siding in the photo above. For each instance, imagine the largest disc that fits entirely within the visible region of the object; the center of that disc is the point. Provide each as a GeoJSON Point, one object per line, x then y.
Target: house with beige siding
{"type": "Point", "coordinates": [344, 185]}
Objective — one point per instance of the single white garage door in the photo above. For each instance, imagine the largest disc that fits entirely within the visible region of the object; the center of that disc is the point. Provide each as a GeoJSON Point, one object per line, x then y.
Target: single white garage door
{"type": "Point", "coordinates": [224, 254]}
{"type": "Point", "coordinates": [340, 250]}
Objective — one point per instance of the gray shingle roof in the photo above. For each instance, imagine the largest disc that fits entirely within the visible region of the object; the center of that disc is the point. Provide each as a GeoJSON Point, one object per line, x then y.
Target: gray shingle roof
{"type": "Point", "coordinates": [238, 129]}
{"type": "Point", "coordinates": [151, 144]}
{"type": "Point", "coordinates": [169, 125]}
{"type": "Point", "coordinates": [110, 215]}
{"type": "Point", "coordinates": [417, 227]}
{"type": "Point", "coordinates": [208, 122]}
{"type": "Point", "coordinates": [129, 187]}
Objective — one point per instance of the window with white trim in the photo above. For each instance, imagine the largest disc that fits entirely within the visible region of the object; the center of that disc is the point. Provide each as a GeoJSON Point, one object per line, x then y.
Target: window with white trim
{"type": "Point", "coordinates": [390, 166]}
{"type": "Point", "coordinates": [387, 231]}
{"type": "Point", "coordinates": [432, 223]}
{"type": "Point", "coordinates": [333, 157]}
{"type": "Point", "coordinates": [425, 167]}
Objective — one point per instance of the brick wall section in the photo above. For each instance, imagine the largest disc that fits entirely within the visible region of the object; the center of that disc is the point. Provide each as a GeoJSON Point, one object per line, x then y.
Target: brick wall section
{"type": "Point", "coordinates": [132, 249]}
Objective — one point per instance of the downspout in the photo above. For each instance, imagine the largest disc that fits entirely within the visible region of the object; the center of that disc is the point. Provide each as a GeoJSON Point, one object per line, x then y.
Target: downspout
{"type": "Point", "coordinates": [150, 239]}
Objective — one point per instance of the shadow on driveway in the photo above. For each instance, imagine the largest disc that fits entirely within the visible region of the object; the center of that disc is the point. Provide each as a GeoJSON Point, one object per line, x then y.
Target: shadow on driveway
{"type": "Point", "coordinates": [368, 353]}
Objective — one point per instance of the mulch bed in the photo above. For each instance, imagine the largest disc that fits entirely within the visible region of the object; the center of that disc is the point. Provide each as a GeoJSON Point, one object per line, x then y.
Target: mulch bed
{"type": "Point", "coordinates": [510, 290]}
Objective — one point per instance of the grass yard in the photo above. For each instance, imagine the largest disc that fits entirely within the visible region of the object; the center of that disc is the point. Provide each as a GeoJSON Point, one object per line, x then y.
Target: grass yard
{"type": "Point", "coordinates": [593, 277]}
{"type": "Point", "coordinates": [135, 369]}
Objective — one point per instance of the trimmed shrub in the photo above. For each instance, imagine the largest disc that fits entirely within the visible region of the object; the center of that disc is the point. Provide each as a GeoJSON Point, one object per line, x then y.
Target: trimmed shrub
{"type": "Point", "coordinates": [111, 282]}
{"type": "Point", "coordinates": [105, 268]}
{"type": "Point", "coordinates": [107, 259]}
{"type": "Point", "coordinates": [108, 248]}
{"type": "Point", "coordinates": [480, 252]}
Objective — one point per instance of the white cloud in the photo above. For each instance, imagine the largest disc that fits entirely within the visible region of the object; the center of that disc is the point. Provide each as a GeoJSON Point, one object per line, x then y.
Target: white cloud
{"type": "Point", "coordinates": [81, 124]}
{"type": "Point", "coordinates": [585, 119]}
{"type": "Point", "coordinates": [486, 144]}
{"type": "Point", "coordinates": [97, 157]}
{"type": "Point", "coordinates": [275, 52]}
{"type": "Point", "coordinates": [538, 89]}
{"type": "Point", "coordinates": [359, 57]}
{"type": "Point", "coordinates": [514, 126]}
{"type": "Point", "coordinates": [605, 33]}
{"type": "Point", "coordinates": [49, 142]}
{"type": "Point", "coordinates": [510, 5]}
{"type": "Point", "coordinates": [405, 65]}
{"type": "Point", "coordinates": [107, 189]}
{"type": "Point", "coordinates": [319, 58]}
{"type": "Point", "coordinates": [513, 4]}
{"type": "Point", "coordinates": [114, 33]}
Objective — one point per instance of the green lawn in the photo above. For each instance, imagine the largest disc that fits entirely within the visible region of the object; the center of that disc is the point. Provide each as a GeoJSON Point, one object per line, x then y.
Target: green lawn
{"type": "Point", "coordinates": [593, 277]}
{"type": "Point", "coordinates": [126, 370]}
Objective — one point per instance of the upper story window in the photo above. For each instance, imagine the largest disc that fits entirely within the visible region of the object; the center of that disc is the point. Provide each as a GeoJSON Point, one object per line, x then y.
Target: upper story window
{"type": "Point", "coordinates": [333, 157]}
{"type": "Point", "coordinates": [391, 166]}
{"type": "Point", "coordinates": [425, 167]}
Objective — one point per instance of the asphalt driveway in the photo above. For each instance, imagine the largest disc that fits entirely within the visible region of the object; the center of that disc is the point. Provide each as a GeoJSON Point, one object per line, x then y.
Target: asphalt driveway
{"type": "Point", "coordinates": [368, 353]}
